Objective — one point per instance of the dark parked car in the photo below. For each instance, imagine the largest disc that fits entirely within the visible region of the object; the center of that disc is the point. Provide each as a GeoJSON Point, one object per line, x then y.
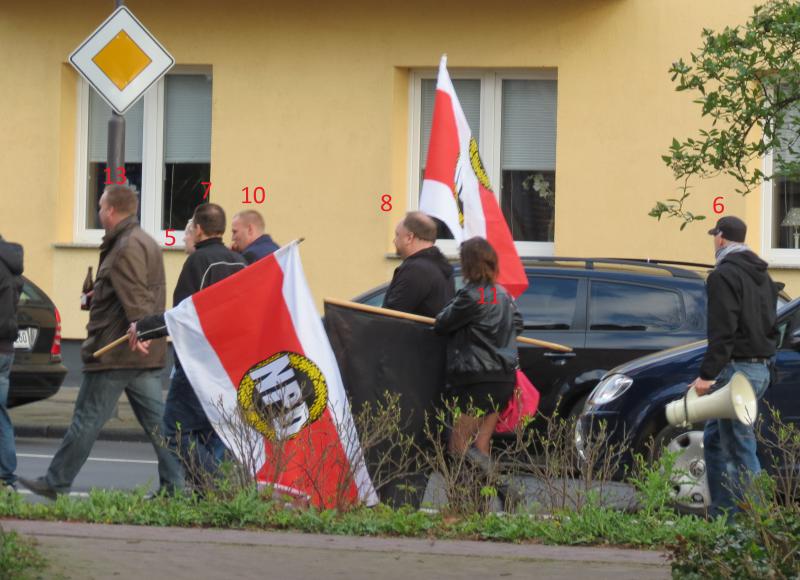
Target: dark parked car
{"type": "Point", "coordinates": [608, 310]}
{"type": "Point", "coordinates": [37, 372]}
{"type": "Point", "coordinates": [631, 400]}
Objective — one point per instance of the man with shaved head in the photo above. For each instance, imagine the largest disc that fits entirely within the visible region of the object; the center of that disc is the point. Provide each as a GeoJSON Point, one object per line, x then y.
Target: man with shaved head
{"type": "Point", "coordinates": [424, 282]}
{"type": "Point", "coordinates": [249, 239]}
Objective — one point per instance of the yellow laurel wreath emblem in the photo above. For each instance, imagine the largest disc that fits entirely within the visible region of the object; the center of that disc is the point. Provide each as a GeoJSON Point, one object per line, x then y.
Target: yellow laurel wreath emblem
{"type": "Point", "coordinates": [477, 164]}
{"type": "Point", "coordinates": [247, 394]}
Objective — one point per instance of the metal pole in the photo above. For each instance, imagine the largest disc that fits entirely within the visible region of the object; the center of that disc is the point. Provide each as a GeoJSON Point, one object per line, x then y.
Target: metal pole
{"type": "Point", "coordinates": [116, 138]}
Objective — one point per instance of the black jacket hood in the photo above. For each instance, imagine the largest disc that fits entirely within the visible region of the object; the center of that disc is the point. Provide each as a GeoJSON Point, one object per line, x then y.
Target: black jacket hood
{"type": "Point", "coordinates": [11, 256]}
{"type": "Point", "coordinates": [436, 257]}
{"type": "Point", "coordinates": [755, 267]}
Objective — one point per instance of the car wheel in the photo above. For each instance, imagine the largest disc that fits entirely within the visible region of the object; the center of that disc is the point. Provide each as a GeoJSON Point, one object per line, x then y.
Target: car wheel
{"type": "Point", "coordinates": [689, 482]}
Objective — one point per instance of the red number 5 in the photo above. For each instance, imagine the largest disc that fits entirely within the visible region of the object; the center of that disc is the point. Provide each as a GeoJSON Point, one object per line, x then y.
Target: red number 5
{"type": "Point", "coordinates": [170, 237]}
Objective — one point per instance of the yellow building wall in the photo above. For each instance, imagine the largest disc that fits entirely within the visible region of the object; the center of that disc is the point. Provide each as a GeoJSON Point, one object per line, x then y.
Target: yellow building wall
{"type": "Point", "coordinates": [310, 100]}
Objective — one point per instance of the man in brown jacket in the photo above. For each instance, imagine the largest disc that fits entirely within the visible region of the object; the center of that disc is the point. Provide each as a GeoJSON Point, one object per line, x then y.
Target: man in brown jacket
{"type": "Point", "coordinates": [130, 285]}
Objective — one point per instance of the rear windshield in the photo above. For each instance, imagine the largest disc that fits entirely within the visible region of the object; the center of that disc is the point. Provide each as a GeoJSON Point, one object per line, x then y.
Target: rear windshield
{"type": "Point", "coordinates": [30, 294]}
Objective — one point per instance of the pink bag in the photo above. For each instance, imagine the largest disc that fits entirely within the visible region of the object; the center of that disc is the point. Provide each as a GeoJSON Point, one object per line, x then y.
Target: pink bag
{"type": "Point", "coordinates": [523, 403]}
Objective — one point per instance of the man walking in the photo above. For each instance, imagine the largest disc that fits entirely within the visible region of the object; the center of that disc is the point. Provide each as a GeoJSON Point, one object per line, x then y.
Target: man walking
{"type": "Point", "coordinates": [741, 337]}
{"type": "Point", "coordinates": [424, 282]}
{"type": "Point", "coordinates": [186, 425]}
{"type": "Point", "coordinates": [10, 286]}
{"type": "Point", "coordinates": [130, 284]}
{"type": "Point", "coordinates": [249, 239]}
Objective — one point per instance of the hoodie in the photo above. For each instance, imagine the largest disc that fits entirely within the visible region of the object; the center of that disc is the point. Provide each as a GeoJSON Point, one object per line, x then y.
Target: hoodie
{"type": "Point", "coordinates": [423, 284]}
{"type": "Point", "coordinates": [742, 300]}
{"type": "Point", "coordinates": [10, 287]}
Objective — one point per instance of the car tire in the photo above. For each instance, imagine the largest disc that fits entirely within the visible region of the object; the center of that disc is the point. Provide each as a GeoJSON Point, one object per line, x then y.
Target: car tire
{"type": "Point", "coordinates": [690, 485]}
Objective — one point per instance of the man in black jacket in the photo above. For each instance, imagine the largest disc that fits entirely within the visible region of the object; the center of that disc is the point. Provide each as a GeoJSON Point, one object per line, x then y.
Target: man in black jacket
{"type": "Point", "coordinates": [742, 336]}
{"type": "Point", "coordinates": [185, 422]}
{"type": "Point", "coordinates": [424, 282]}
{"type": "Point", "coordinates": [10, 287]}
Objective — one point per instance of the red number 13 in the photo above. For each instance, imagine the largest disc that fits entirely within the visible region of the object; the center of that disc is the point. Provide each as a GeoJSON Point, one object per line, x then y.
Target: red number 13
{"type": "Point", "coordinates": [120, 176]}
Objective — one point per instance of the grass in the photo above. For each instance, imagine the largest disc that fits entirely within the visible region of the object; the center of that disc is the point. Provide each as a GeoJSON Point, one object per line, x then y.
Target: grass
{"type": "Point", "coordinates": [19, 559]}
{"type": "Point", "coordinates": [247, 509]}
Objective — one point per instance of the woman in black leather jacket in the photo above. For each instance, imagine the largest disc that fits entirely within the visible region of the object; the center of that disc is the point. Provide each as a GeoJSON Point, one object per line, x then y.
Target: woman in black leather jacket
{"type": "Point", "coordinates": [482, 323]}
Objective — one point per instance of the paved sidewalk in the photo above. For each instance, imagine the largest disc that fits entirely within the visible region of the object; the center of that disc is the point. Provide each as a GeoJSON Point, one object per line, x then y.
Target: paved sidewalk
{"type": "Point", "coordinates": [51, 418]}
{"type": "Point", "coordinates": [95, 551]}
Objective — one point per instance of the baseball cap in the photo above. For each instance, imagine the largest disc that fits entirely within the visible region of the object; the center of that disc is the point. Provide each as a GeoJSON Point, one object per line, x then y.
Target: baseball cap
{"type": "Point", "coordinates": [731, 228]}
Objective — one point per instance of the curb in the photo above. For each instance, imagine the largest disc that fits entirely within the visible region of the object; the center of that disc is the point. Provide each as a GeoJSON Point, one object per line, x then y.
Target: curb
{"type": "Point", "coordinates": [58, 432]}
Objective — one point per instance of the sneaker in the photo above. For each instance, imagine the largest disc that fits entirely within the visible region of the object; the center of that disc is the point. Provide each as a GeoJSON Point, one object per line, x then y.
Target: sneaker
{"type": "Point", "coordinates": [40, 487]}
{"type": "Point", "coordinates": [8, 488]}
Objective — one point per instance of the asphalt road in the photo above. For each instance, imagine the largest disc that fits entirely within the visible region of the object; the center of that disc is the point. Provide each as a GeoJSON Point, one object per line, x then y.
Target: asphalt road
{"type": "Point", "coordinates": [111, 465]}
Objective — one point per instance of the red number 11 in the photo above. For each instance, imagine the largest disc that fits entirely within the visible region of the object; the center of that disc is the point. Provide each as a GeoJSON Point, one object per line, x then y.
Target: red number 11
{"type": "Point", "coordinates": [483, 301]}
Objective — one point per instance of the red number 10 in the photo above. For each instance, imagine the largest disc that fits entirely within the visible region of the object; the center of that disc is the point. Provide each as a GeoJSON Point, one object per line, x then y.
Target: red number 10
{"type": "Point", "coordinates": [483, 301]}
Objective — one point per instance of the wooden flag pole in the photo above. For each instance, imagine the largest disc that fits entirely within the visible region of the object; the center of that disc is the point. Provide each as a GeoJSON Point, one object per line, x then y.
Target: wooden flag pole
{"type": "Point", "coordinates": [110, 345]}
{"type": "Point", "coordinates": [429, 320]}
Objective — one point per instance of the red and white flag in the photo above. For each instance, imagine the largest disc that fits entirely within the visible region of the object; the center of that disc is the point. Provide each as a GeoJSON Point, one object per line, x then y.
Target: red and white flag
{"type": "Point", "coordinates": [254, 342]}
{"type": "Point", "coordinates": [456, 188]}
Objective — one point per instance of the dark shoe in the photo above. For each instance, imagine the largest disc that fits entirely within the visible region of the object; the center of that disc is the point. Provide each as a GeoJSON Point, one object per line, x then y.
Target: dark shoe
{"type": "Point", "coordinates": [40, 487]}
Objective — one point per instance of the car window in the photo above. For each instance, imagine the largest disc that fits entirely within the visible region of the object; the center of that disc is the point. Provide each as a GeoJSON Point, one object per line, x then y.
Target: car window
{"type": "Point", "coordinates": [549, 303]}
{"type": "Point", "coordinates": [29, 294]}
{"type": "Point", "coordinates": [617, 306]}
{"type": "Point", "coordinates": [786, 327]}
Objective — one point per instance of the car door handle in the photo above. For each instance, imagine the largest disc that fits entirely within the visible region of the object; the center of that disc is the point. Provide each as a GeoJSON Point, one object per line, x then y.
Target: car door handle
{"type": "Point", "coordinates": [559, 354]}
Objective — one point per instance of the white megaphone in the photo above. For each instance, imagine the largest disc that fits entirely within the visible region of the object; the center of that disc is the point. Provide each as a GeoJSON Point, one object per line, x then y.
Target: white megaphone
{"type": "Point", "coordinates": [736, 400]}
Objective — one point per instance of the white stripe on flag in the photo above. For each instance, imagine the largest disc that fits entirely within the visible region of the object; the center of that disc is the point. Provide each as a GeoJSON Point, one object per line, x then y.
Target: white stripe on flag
{"type": "Point", "coordinates": [214, 388]}
{"type": "Point", "coordinates": [312, 336]}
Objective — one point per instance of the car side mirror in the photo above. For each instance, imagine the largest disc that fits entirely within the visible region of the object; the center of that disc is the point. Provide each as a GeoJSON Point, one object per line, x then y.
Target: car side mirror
{"type": "Point", "coordinates": [794, 339]}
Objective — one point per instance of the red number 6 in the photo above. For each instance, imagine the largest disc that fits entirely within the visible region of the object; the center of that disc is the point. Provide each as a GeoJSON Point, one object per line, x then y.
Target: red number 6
{"type": "Point", "coordinates": [719, 207]}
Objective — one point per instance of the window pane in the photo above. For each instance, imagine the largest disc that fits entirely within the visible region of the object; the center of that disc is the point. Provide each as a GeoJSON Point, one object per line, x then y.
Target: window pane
{"type": "Point", "coordinates": [628, 307]}
{"type": "Point", "coordinates": [528, 158]}
{"type": "Point", "coordinates": [187, 146]}
{"type": "Point", "coordinates": [785, 198]}
{"type": "Point", "coordinates": [99, 114]}
{"type": "Point", "coordinates": [549, 303]}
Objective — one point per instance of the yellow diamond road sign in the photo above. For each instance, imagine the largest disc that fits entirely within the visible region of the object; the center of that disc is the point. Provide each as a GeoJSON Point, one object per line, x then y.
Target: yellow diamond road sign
{"type": "Point", "coordinates": [121, 60]}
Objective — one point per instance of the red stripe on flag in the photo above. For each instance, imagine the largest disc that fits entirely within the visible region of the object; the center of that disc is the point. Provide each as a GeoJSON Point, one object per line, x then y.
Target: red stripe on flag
{"type": "Point", "coordinates": [246, 320]}
{"type": "Point", "coordinates": [443, 147]}
{"type": "Point", "coordinates": [512, 274]}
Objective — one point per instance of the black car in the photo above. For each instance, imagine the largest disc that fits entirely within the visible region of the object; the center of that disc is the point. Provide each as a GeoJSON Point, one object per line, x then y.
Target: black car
{"type": "Point", "coordinates": [37, 372]}
{"type": "Point", "coordinates": [608, 310]}
{"type": "Point", "coordinates": [631, 400]}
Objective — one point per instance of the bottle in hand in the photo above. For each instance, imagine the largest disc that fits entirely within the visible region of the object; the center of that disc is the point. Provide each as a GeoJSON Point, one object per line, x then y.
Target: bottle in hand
{"type": "Point", "coordinates": [86, 293]}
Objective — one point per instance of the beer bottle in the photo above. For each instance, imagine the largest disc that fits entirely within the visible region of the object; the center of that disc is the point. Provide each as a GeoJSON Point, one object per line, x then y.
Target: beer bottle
{"type": "Point", "coordinates": [88, 286]}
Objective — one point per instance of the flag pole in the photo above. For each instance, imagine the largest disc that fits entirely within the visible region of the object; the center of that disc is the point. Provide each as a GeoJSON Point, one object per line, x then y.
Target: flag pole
{"type": "Point", "coordinates": [429, 320]}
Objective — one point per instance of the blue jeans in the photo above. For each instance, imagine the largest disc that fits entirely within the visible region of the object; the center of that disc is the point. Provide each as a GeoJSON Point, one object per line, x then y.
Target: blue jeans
{"type": "Point", "coordinates": [96, 400]}
{"type": "Point", "coordinates": [730, 446]}
{"type": "Point", "coordinates": [8, 452]}
{"type": "Point", "coordinates": [189, 431]}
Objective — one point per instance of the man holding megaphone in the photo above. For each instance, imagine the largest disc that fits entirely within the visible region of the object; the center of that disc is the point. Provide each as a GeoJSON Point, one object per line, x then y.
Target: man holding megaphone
{"type": "Point", "coordinates": [741, 337]}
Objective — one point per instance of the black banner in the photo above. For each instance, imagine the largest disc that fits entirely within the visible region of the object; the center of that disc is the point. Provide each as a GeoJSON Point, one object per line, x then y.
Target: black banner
{"type": "Point", "coordinates": [378, 353]}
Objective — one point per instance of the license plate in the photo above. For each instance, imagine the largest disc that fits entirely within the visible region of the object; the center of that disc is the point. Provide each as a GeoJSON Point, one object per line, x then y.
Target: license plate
{"type": "Point", "coordinates": [26, 337]}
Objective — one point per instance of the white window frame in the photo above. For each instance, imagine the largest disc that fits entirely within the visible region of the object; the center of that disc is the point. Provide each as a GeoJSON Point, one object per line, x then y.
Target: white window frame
{"type": "Point", "coordinates": [780, 257]}
{"type": "Point", "coordinates": [489, 141]}
{"type": "Point", "coordinates": [151, 196]}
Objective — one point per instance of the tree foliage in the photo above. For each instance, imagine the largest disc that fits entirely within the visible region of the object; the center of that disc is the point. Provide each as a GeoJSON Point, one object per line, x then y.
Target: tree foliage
{"type": "Point", "coordinates": [748, 83]}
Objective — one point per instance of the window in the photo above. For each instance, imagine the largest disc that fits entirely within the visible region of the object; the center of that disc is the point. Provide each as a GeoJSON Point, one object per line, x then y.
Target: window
{"type": "Point", "coordinates": [513, 118]}
{"type": "Point", "coordinates": [167, 153]}
{"type": "Point", "coordinates": [781, 197]}
{"type": "Point", "coordinates": [615, 306]}
{"type": "Point", "coordinates": [549, 303]}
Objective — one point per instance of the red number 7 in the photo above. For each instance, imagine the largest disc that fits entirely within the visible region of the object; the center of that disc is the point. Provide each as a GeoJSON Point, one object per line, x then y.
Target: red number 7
{"type": "Point", "coordinates": [208, 188]}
